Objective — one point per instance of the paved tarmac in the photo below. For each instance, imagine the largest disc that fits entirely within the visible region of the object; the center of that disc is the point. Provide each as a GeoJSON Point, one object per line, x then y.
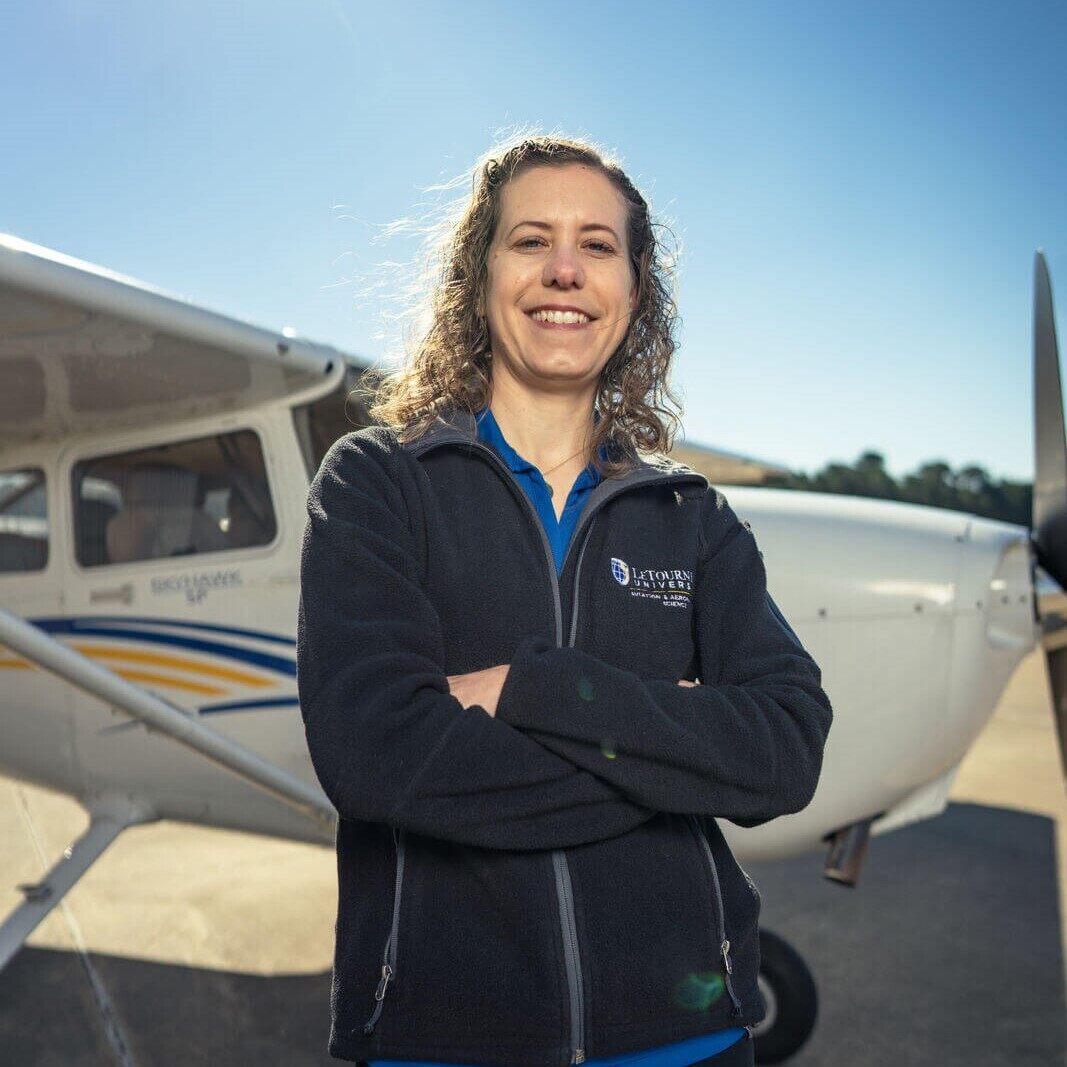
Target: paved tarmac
{"type": "Point", "coordinates": [186, 946]}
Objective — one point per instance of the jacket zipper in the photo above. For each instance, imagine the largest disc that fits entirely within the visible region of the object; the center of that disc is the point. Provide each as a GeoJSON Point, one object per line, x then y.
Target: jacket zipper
{"type": "Point", "coordinates": [564, 890]}
{"type": "Point", "coordinates": [389, 955]}
{"type": "Point", "coordinates": [570, 952]}
{"type": "Point", "coordinates": [563, 878]}
{"type": "Point", "coordinates": [724, 944]}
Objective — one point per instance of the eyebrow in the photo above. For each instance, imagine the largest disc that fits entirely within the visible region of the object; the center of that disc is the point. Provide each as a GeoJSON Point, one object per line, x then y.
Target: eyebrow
{"type": "Point", "coordinates": [546, 226]}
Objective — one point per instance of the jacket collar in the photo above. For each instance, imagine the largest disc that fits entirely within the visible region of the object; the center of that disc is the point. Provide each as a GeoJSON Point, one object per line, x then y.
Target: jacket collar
{"type": "Point", "coordinates": [457, 426]}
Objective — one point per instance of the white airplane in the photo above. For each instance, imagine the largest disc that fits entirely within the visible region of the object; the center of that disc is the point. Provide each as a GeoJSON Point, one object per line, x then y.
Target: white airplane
{"type": "Point", "coordinates": [154, 462]}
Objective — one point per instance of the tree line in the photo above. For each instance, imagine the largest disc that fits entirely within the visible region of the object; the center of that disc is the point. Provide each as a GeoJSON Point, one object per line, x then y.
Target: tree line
{"type": "Point", "coordinates": [969, 489]}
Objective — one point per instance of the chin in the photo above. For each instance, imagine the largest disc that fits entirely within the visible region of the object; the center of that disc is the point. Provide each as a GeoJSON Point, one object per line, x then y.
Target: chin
{"type": "Point", "coordinates": [568, 370]}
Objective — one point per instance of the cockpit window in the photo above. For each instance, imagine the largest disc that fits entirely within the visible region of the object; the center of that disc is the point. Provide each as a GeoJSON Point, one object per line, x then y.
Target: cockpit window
{"type": "Point", "coordinates": [181, 499]}
{"type": "Point", "coordinates": [23, 521]}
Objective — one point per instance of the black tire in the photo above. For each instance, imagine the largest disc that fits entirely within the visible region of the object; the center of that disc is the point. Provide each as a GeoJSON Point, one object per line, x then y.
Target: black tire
{"type": "Point", "coordinates": [791, 998]}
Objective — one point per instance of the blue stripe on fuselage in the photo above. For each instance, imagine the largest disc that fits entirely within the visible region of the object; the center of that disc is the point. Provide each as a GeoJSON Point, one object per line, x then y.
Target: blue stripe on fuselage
{"type": "Point", "coordinates": [117, 626]}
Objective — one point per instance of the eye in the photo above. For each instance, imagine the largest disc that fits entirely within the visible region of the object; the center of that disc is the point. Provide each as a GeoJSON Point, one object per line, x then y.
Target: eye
{"type": "Point", "coordinates": [525, 242]}
{"type": "Point", "coordinates": [601, 246]}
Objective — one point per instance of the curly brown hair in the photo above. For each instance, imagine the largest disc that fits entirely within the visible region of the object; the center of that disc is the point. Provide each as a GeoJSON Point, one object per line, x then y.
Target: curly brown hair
{"type": "Point", "coordinates": [450, 364]}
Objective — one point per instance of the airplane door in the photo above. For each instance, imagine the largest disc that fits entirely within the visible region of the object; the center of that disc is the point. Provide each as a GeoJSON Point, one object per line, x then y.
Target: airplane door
{"type": "Point", "coordinates": [172, 583]}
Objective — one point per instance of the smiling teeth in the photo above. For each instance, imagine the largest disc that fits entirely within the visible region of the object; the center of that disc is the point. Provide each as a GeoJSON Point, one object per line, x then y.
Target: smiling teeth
{"type": "Point", "coordinates": [561, 317]}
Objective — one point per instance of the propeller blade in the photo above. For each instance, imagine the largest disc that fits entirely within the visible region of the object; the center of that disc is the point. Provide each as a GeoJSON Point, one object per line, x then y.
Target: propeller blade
{"type": "Point", "coordinates": [1052, 609]}
{"type": "Point", "coordinates": [1049, 509]}
{"type": "Point", "coordinates": [1048, 525]}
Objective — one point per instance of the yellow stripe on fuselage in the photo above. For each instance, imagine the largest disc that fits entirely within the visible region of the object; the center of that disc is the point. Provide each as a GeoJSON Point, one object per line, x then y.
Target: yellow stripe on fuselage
{"type": "Point", "coordinates": [191, 668]}
{"type": "Point", "coordinates": [158, 659]}
{"type": "Point", "coordinates": [163, 679]}
{"type": "Point", "coordinates": [134, 675]}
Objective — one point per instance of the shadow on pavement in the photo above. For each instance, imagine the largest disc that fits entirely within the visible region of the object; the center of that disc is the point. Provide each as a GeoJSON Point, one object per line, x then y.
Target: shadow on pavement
{"type": "Point", "coordinates": [947, 953]}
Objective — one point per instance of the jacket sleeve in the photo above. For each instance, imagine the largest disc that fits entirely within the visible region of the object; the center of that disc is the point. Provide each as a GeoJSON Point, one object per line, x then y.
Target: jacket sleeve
{"type": "Point", "coordinates": [388, 741]}
{"type": "Point", "coordinates": [745, 745]}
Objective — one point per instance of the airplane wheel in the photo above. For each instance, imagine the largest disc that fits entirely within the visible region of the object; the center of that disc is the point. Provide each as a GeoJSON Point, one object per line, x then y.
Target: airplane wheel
{"type": "Point", "coordinates": [788, 990]}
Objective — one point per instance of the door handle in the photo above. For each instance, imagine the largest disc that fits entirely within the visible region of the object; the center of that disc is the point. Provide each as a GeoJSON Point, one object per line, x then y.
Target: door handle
{"type": "Point", "coordinates": [121, 593]}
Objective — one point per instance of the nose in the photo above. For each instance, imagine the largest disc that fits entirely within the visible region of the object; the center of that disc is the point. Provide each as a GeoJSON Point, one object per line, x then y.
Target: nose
{"type": "Point", "coordinates": [563, 268]}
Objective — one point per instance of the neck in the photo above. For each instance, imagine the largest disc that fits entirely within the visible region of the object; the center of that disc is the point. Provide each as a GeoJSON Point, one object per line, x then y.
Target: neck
{"type": "Point", "coordinates": [545, 428]}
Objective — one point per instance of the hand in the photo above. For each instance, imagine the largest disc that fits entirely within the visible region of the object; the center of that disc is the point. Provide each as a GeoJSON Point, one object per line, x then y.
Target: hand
{"type": "Point", "coordinates": [479, 687]}
{"type": "Point", "coordinates": [685, 681]}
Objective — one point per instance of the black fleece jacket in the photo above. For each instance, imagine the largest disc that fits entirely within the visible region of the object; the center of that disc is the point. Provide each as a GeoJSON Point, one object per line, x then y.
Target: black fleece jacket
{"type": "Point", "coordinates": [549, 883]}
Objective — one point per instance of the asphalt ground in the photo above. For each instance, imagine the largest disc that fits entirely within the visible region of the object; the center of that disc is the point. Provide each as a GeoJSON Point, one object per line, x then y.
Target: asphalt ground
{"type": "Point", "coordinates": [189, 946]}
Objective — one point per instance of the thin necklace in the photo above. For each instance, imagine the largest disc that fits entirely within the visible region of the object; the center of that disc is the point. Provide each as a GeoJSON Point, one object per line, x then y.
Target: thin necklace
{"type": "Point", "coordinates": [556, 467]}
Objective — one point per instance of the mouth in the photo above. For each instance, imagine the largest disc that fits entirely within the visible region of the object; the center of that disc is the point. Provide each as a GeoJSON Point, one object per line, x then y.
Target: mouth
{"type": "Point", "coordinates": [559, 318]}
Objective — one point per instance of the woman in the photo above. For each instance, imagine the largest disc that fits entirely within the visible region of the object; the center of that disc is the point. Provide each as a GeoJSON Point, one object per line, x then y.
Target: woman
{"type": "Point", "coordinates": [504, 613]}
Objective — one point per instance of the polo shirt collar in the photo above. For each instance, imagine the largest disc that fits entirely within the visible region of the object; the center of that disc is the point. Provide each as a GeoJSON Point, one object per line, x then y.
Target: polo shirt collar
{"type": "Point", "coordinates": [489, 430]}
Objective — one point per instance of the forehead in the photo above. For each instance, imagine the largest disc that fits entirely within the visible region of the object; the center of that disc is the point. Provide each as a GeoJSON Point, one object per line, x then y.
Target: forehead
{"type": "Point", "coordinates": [572, 192]}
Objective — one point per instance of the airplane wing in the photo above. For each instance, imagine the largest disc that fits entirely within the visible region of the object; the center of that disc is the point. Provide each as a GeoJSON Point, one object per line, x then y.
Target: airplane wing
{"type": "Point", "coordinates": [720, 466]}
{"type": "Point", "coordinates": [81, 346]}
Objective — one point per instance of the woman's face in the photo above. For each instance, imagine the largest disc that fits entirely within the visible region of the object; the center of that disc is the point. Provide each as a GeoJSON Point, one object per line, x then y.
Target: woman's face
{"type": "Point", "coordinates": [560, 289]}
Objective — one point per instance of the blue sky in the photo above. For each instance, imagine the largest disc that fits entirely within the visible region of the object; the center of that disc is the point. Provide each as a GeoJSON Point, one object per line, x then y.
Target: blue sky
{"type": "Point", "coordinates": [858, 188]}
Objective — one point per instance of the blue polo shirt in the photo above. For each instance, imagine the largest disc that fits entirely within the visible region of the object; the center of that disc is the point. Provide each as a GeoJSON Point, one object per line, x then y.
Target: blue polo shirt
{"type": "Point", "coordinates": [560, 531]}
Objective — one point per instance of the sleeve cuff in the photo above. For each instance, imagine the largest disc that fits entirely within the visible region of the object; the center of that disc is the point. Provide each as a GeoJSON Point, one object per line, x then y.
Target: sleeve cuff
{"type": "Point", "coordinates": [530, 694]}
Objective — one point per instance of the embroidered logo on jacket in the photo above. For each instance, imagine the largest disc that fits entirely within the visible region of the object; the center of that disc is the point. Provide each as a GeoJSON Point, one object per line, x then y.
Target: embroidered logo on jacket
{"type": "Point", "coordinates": [672, 588]}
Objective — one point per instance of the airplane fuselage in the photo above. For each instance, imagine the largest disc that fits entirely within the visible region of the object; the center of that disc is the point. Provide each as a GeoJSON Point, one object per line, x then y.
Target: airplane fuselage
{"type": "Point", "coordinates": [917, 617]}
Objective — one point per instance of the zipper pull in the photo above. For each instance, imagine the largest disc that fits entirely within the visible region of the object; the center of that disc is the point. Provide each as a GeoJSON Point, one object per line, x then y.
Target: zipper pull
{"type": "Point", "coordinates": [387, 973]}
{"type": "Point", "coordinates": [379, 996]}
{"type": "Point", "coordinates": [726, 957]}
